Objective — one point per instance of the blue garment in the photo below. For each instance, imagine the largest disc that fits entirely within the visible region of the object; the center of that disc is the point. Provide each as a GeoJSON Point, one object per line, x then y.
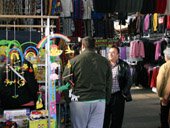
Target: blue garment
{"type": "Point", "coordinates": [78, 9]}
{"type": "Point", "coordinates": [97, 15]}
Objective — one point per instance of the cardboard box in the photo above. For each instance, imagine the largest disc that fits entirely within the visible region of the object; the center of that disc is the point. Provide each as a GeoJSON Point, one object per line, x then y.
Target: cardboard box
{"type": "Point", "coordinates": [22, 122]}
{"type": "Point", "coordinates": [10, 114]}
{"type": "Point", "coordinates": [41, 123]}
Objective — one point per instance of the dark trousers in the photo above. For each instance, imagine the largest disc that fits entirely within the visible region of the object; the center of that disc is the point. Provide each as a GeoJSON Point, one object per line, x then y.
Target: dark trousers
{"type": "Point", "coordinates": [164, 116]}
{"type": "Point", "coordinates": [114, 111]}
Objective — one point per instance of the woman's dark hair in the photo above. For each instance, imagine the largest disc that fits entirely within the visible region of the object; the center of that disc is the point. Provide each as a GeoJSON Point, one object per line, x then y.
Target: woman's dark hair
{"type": "Point", "coordinates": [77, 48]}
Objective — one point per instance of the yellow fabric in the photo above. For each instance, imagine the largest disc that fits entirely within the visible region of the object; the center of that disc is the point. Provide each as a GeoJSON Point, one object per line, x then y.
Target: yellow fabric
{"type": "Point", "coordinates": [163, 80]}
{"type": "Point", "coordinates": [155, 21]}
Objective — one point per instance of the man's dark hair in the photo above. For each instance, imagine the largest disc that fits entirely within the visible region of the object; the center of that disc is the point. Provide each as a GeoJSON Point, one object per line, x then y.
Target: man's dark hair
{"type": "Point", "coordinates": [118, 51]}
{"type": "Point", "coordinates": [88, 42]}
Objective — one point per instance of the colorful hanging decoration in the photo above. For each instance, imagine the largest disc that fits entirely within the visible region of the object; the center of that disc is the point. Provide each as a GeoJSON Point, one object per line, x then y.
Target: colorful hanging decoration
{"type": "Point", "coordinates": [31, 54]}
{"type": "Point", "coordinates": [16, 61]}
{"type": "Point", "coordinates": [3, 54]}
{"type": "Point", "coordinates": [3, 50]}
{"type": "Point", "coordinates": [68, 50]}
{"type": "Point", "coordinates": [42, 42]}
{"type": "Point", "coordinates": [39, 103]}
{"type": "Point", "coordinates": [55, 51]}
{"type": "Point", "coordinates": [54, 57]}
{"type": "Point", "coordinates": [18, 51]}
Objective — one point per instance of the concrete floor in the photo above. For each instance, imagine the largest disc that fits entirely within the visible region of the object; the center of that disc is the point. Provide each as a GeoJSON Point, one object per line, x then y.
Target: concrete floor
{"type": "Point", "coordinates": [143, 111]}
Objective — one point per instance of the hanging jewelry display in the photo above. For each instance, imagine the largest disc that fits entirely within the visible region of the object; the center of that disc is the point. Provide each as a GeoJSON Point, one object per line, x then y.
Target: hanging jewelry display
{"type": "Point", "coordinates": [16, 71]}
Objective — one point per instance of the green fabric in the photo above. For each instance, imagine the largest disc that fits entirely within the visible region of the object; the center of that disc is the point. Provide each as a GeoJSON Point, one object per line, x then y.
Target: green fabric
{"type": "Point", "coordinates": [93, 101]}
{"type": "Point", "coordinates": [92, 76]}
{"type": "Point", "coordinates": [63, 87]}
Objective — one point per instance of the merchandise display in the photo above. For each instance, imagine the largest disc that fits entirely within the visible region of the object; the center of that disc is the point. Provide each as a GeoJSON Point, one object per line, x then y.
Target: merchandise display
{"type": "Point", "coordinates": [38, 37]}
{"type": "Point", "coordinates": [37, 59]}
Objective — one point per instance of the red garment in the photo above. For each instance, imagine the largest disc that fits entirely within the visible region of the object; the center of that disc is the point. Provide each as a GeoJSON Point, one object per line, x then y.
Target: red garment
{"type": "Point", "coordinates": [168, 22]}
{"type": "Point", "coordinates": [161, 6]}
{"type": "Point", "coordinates": [79, 27]}
{"type": "Point", "coordinates": [31, 103]}
{"type": "Point", "coordinates": [149, 72]}
{"type": "Point", "coordinates": [154, 76]}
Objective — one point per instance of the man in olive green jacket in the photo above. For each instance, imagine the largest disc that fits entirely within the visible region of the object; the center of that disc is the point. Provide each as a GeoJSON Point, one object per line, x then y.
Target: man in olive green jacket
{"type": "Point", "coordinates": [163, 89]}
{"type": "Point", "coordinates": [92, 80]}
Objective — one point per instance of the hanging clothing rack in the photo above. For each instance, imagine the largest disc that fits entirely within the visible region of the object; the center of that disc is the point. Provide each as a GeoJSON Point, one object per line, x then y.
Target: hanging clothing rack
{"type": "Point", "coordinates": [28, 17]}
{"type": "Point", "coordinates": [25, 26]}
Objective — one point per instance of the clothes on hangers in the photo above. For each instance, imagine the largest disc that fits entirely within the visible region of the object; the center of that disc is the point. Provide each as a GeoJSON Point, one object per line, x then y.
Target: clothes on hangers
{"type": "Point", "coordinates": [104, 6]}
{"type": "Point", "coordinates": [137, 49]}
{"type": "Point", "coordinates": [67, 26]}
{"type": "Point", "coordinates": [155, 71]}
{"type": "Point", "coordinates": [88, 8]}
{"type": "Point", "coordinates": [1, 7]}
{"type": "Point", "coordinates": [67, 8]}
{"type": "Point", "coordinates": [160, 6]}
{"type": "Point", "coordinates": [167, 10]}
{"type": "Point", "coordinates": [78, 9]}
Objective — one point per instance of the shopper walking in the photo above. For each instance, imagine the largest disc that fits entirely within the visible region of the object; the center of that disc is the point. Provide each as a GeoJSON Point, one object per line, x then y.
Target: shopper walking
{"type": "Point", "coordinates": [92, 80]}
{"type": "Point", "coordinates": [122, 82]}
{"type": "Point", "coordinates": [163, 89]}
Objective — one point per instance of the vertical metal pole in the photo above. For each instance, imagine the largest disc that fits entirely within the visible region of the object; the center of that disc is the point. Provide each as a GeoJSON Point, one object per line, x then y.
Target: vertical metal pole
{"type": "Point", "coordinates": [6, 33]}
{"type": "Point", "coordinates": [120, 30]}
{"type": "Point", "coordinates": [48, 69]}
{"type": "Point", "coordinates": [30, 35]}
{"type": "Point", "coordinates": [42, 21]}
{"type": "Point", "coordinates": [14, 30]}
{"type": "Point", "coordinates": [59, 105]}
{"type": "Point", "coordinates": [6, 55]}
{"type": "Point", "coordinates": [47, 31]}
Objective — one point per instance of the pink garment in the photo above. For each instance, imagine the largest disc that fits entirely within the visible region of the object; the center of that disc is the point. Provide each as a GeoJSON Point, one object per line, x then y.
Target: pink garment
{"type": "Point", "coordinates": [137, 49]}
{"type": "Point", "coordinates": [141, 51]}
{"type": "Point", "coordinates": [146, 23]}
{"type": "Point", "coordinates": [158, 50]}
{"type": "Point", "coordinates": [168, 22]}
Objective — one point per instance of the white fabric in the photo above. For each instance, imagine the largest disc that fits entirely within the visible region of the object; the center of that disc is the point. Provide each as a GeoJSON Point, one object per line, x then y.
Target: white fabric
{"type": "Point", "coordinates": [67, 8]}
{"type": "Point", "coordinates": [88, 7]}
{"type": "Point", "coordinates": [167, 10]}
